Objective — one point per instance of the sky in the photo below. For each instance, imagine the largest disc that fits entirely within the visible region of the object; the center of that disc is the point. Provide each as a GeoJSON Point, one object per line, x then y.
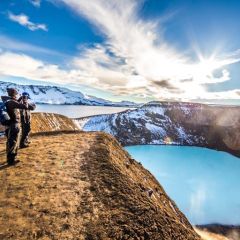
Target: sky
{"type": "Point", "coordinates": [181, 50]}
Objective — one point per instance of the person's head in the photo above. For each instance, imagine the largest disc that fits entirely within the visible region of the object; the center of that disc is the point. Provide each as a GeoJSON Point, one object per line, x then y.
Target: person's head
{"type": "Point", "coordinates": [25, 96]}
{"type": "Point", "coordinates": [12, 92]}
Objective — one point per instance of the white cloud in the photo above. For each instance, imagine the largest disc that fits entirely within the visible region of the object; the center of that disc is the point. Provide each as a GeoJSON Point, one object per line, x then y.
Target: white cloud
{"type": "Point", "coordinates": [36, 3]}
{"type": "Point", "coordinates": [24, 66]}
{"type": "Point", "coordinates": [134, 58]}
{"type": "Point", "coordinates": [134, 55]}
{"type": "Point", "coordinates": [20, 65]}
{"type": "Point", "coordinates": [23, 20]}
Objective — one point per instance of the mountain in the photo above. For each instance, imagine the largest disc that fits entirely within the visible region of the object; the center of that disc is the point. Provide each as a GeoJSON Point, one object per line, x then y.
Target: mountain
{"type": "Point", "coordinates": [83, 185]}
{"type": "Point", "coordinates": [192, 124]}
{"type": "Point", "coordinates": [59, 95]}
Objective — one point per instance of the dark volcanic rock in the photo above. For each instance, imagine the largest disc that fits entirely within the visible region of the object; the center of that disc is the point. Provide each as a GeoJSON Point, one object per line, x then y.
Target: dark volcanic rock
{"type": "Point", "coordinates": [191, 124]}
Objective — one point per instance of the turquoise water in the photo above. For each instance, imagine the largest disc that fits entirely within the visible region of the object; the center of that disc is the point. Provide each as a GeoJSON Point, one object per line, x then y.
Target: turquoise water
{"type": "Point", "coordinates": [204, 183]}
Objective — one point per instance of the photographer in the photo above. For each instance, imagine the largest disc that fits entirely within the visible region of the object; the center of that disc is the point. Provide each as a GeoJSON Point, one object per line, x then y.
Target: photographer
{"type": "Point", "coordinates": [25, 119]}
{"type": "Point", "coordinates": [13, 131]}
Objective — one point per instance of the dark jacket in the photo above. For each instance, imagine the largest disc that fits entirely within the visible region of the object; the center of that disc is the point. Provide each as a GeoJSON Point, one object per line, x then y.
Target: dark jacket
{"type": "Point", "coordinates": [13, 107]}
{"type": "Point", "coordinates": [26, 113]}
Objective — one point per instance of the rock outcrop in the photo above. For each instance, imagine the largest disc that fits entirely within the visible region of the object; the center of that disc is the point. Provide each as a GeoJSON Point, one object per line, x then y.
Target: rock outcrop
{"type": "Point", "coordinates": [84, 186]}
{"type": "Point", "coordinates": [189, 124]}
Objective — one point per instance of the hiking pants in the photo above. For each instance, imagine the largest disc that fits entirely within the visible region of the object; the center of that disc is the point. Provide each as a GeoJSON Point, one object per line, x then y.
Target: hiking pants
{"type": "Point", "coordinates": [26, 128]}
{"type": "Point", "coordinates": [13, 137]}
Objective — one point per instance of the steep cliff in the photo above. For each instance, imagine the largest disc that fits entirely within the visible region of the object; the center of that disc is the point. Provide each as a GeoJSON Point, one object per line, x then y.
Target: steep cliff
{"type": "Point", "coordinates": [84, 186]}
{"type": "Point", "coordinates": [191, 124]}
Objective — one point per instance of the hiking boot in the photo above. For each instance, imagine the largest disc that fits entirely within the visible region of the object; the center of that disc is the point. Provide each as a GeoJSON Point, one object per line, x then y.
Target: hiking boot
{"type": "Point", "coordinates": [23, 146]}
{"type": "Point", "coordinates": [11, 158]}
{"type": "Point", "coordinates": [12, 163]}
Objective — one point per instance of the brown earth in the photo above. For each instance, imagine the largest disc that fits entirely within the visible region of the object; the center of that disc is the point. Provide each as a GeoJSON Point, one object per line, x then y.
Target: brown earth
{"type": "Point", "coordinates": [48, 122]}
{"type": "Point", "coordinates": [84, 186]}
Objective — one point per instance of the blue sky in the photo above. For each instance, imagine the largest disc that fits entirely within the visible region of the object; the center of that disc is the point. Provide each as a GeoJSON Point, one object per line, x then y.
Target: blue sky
{"type": "Point", "coordinates": [130, 49]}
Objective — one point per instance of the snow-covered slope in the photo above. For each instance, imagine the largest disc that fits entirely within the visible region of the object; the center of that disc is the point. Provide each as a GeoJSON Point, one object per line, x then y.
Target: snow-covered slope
{"type": "Point", "coordinates": [173, 123]}
{"type": "Point", "coordinates": [59, 95]}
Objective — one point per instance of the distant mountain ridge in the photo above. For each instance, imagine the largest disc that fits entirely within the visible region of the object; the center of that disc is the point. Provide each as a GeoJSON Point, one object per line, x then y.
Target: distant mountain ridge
{"type": "Point", "coordinates": [61, 95]}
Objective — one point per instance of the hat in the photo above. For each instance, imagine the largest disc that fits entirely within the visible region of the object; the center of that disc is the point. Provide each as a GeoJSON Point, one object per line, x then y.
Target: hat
{"type": "Point", "coordinates": [26, 94]}
{"type": "Point", "coordinates": [12, 92]}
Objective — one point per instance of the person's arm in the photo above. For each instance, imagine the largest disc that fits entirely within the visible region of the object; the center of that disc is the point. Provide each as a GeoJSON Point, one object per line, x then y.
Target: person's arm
{"type": "Point", "coordinates": [31, 106]}
{"type": "Point", "coordinates": [20, 99]}
{"type": "Point", "coordinates": [15, 104]}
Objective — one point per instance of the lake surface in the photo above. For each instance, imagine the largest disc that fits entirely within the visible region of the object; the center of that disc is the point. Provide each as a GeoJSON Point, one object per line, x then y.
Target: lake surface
{"type": "Point", "coordinates": [78, 111]}
{"type": "Point", "coordinates": [204, 183]}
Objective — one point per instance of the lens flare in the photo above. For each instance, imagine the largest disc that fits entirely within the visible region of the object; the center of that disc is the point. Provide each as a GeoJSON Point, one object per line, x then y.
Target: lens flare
{"type": "Point", "coordinates": [168, 140]}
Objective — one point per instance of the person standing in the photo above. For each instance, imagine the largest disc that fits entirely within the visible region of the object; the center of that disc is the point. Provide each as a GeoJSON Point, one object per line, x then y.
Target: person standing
{"type": "Point", "coordinates": [25, 120]}
{"type": "Point", "coordinates": [13, 131]}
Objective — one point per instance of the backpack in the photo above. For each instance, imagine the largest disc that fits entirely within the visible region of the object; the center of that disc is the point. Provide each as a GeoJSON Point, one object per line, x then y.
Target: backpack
{"type": "Point", "coordinates": [4, 117]}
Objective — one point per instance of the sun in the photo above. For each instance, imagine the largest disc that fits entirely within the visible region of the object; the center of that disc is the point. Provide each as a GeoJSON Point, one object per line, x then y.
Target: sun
{"type": "Point", "coordinates": [206, 66]}
{"type": "Point", "coordinates": [203, 70]}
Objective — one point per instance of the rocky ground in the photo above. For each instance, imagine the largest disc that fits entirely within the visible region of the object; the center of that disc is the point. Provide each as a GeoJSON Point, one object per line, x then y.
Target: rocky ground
{"type": "Point", "coordinates": [80, 185]}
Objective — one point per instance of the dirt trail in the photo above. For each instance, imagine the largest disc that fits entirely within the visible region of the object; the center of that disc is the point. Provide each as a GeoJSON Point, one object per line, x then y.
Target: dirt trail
{"type": "Point", "coordinates": [84, 186]}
